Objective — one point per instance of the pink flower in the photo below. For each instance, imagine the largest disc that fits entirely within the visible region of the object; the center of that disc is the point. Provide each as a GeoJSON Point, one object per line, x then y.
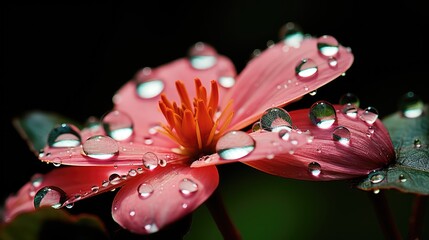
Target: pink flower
{"type": "Point", "coordinates": [171, 125]}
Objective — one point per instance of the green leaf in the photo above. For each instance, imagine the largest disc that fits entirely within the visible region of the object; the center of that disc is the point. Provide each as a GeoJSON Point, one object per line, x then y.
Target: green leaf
{"type": "Point", "coordinates": [50, 223]}
{"type": "Point", "coordinates": [410, 172]}
{"type": "Point", "coordinates": [34, 127]}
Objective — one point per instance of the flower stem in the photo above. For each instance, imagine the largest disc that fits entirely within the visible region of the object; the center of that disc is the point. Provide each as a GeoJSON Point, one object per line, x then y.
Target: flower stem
{"type": "Point", "coordinates": [416, 218]}
{"type": "Point", "coordinates": [220, 215]}
{"type": "Point", "coordinates": [384, 215]}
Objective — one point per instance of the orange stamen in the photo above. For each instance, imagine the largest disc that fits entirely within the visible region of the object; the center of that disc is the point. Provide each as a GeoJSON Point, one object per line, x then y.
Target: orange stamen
{"type": "Point", "coordinates": [193, 126]}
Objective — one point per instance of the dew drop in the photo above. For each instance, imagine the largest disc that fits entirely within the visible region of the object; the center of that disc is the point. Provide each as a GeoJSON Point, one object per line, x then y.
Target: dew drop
{"type": "Point", "coordinates": [100, 147]}
{"type": "Point", "coordinates": [162, 162]}
{"type": "Point", "coordinates": [114, 179]}
{"type": "Point", "coordinates": [274, 119]}
{"type": "Point", "coordinates": [313, 93]}
{"type": "Point", "coordinates": [376, 177]}
{"type": "Point", "coordinates": [306, 68]}
{"type": "Point", "coordinates": [226, 81]}
{"type": "Point", "coordinates": [150, 160]}
{"type": "Point", "coordinates": [402, 178]}
{"type": "Point", "coordinates": [376, 191]}
{"type": "Point", "coordinates": [342, 135]}
{"type": "Point", "coordinates": [147, 85]}
{"type": "Point", "coordinates": [187, 187]}
{"type": "Point", "coordinates": [65, 135]}
{"type": "Point", "coordinates": [118, 125]}
{"type": "Point", "coordinates": [291, 34]}
{"type": "Point", "coordinates": [145, 190]}
{"type": "Point", "coordinates": [417, 143]}
{"type": "Point", "coordinates": [105, 183]}
{"type": "Point", "coordinates": [322, 114]}
{"type": "Point", "coordinates": [235, 145]}
{"type": "Point", "coordinates": [50, 196]}
{"type": "Point", "coordinates": [202, 56]}
{"type": "Point", "coordinates": [411, 105]}
{"type": "Point", "coordinates": [349, 98]}
{"type": "Point", "coordinates": [70, 205]}
{"type": "Point", "coordinates": [332, 62]}
{"type": "Point", "coordinates": [350, 110]}
{"type": "Point", "coordinates": [132, 213]}
{"type": "Point", "coordinates": [151, 228]}
{"type": "Point", "coordinates": [314, 168]}
{"type": "Point", "coordinates": [36, 180]}
{"type": "Point", "coordinates": [95, 189]}
{"type": "Point", "coordinates": [369, 115]}
{"type": "Point", "coordinates": [56, 162]}
{"type": "Point", "coordinates": [327, 45]}
{"type": "Point", "coordinates": [132, 173]}
{"type": "Point", "coordinates": [256, 127]}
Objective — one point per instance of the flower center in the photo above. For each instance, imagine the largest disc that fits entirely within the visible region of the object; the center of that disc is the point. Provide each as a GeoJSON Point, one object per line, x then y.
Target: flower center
{"type": "Point", "coordinates": [196, 126]}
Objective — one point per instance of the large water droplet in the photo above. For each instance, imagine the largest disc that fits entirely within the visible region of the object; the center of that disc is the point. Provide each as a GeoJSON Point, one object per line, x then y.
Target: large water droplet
{"type": "Point", "coordinates": [147, 85]}
{"type": "Point", "coordinates": [226, 81]}
{"type": "Point", "coordinates": [150, 160]}
{"type": "Point", "coordinates": [314, 168]}
{"type": "Point", "coordinates": [50, 196]}
{"type": "Point", "coordinates": [306, 68]}
{"type": "Point", "coordinates": [376, 177]}
{"type": "Point", "coordinates": [65, 135]}
{"type": "Point", "coordinates": [369, 115]}
{"type": "Point", "coordinates": [118, 125]}
{"type": "Point", "coordinates": [145, 190]}
{"type": "Point", "coordinates": [342, 135]}
{"type": "Point", "coordinates": [235, 145]}
{"type": "Point", "coordinates": [275, 119]}
{"type": "Point", "coordinates": [100, 147]}
{"type": "Point", "coordinates": [291, 34]}
{"type": "Point", "coordinates": [187, 187]}
{"type": "Point", "coordinates": [349, 98]}
{"type": "Point", "coordinates": [322, 114]}
{"type": "Point", "coordinates": [202, 56]}
{"type": "Point", "coordinates": [411, 105]}
{"type": "Point", "coordinates": [327, 45]}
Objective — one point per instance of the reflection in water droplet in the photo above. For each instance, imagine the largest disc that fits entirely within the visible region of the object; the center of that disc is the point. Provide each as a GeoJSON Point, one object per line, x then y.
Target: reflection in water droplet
{"type": "Point", "coordinates": [402, 178]}
{"type": "Point", "coordinates": [369, 115]}
{"type": "Point", "coordinates": [187, 187]}
{"type": "Point", "coordinates": [349, 98]}
{"type": "Point", "coordinates": [411, 105]}
{"type": "Point", "coordinates": [306, 68]}
{"type": "Point", "coordinates": [327, 45]}
{"type": "Point", "coordinates": [322, 114]}
{"type": "Point", "coordinates": [314, 168]}
{"type": "Point", "coordinates": [150, 160]}
{"type": "Point", "coordinates": [256, 127]}
{"type": "Point", "coordinates": [145, 190]}
{"type": "Point", "coordinates": [376, 177]}
{"type": "Point", "coordinates": [118, 125]}
{"type": "Point", "coordinates": [65, 135]}
{"type": "Point", "coordinates": [100, 147]}
{"type": "Point", "coordinates": [50, 196]}
{"type": "Point", "coordinates": [291, 34]}
{"type": "Point", "coordinates": [226, 81]}
{"type": "Point", "coordinates": [275, 119]}
{"type": "Point", "coordinates": [342, 135]}
{"type": "Point", "coordinates": [235, 145]}
{"type": "Point", "coordinates": [202, 56]}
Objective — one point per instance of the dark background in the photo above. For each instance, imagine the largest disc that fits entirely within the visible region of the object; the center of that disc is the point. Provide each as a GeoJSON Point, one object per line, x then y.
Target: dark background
{"type": "Point", "coordinates": [71, 58]}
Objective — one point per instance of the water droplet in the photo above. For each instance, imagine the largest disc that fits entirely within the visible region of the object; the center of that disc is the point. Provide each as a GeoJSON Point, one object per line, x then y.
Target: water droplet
{"type": "Point", "coordinates": [118, 125]}
{"type": "Point", "coordinates": [350, 110]}
{"type": "Point", "coordinates": [314, 168]}
{"type": "Point", "coordinates": [402, 178]}
{"type": "Point", "coordinates": [147, 84]}
{"type": "Point", "coordinates": [417, 143]}
{"type": "Point", "coordinates": [187, 187]}
{"type": "Point", "coordinates": [100, 147]}
{"type": "Point", "coordinates": [275, 119]}
{"type": "Point", "coordinates": [327, 45]}
{"type": "Point", "coordinates": [50, 196]}
{"type": "Point", "coordinates": [162, 162]}
{"type": "Point", "coordinates": [105, 183]}
{"type": "Point", "coordinates": [151, 228]}
{"type": "Point", "coordinates": [376, 177]}
{"type": "Point", "coordinates": [95, 189]}
{"type": "Point", "coordinates": [184, 205]}
{"type": "Point", "coordinates": [65, 135]}
{"type": "Point", "coordinates": [411, 105]}
{"type": "Point", "coordinates": [313, 93]}
{"type": "Point", "coordinates": [36, 180]}
{"type": "Point", "coordinates": [226, 81]}
{"type": "Point", "coordinates": [349, 98]}
{"type": "Point", "coordinates": [376, 191]}
{"type": "Point", "coordinates": [70, 205]}
{"type": "Point", "coordinates": [332, 62]}
{"type": "Point", "coordinates": [150, 160]}
{"type": "Point", "coordinates": [234, 145]}
{"type": "Point", "coordinates": [202, 56]}
{"type": "Point", "coordinates": [322, 114]}
{"type": "Point", "coordinates": [342, 135]}
{"type": "Point", "coordinates": [369, 115]}
{"type": "Point", "coordinates": [132, 213]}
{"type": "Point", "coordinates": [132, 173]}
{"type": "Point", "coordinates": [56, 162]}
{"type": "Point", "coordinates": [114, 179]}
{"type": "Point", "coordinates": [306, 68]}
{"type": "Point", "coordinates": [256, 127]}
{"type": "Point", "coordinates": [291, 34]}
{"type": "Point", "coordinates": [145, 190]}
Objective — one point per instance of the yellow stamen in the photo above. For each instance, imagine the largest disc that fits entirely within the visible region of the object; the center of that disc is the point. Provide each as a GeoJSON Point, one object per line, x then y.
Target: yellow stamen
{"type": "Point", "coordinates": [193, 126]}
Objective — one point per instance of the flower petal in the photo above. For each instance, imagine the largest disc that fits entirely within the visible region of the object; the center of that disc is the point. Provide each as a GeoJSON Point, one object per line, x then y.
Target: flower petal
{"type": "Point", "coordinates": [160, 197]}
{"type": "Point", "coordinates": [370, 148]}
{"type": "Point", "coordinates": [75, 183]}
{"type": "Point", "coordinates": [274, 72]}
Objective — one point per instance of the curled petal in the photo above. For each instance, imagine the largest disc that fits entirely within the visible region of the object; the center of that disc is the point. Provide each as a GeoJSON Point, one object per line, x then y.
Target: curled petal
{"type": "Point", "coordinates": [275, 72]}
{"type": "Point", "coordinates": [160, 197]}
{"type": "Point", "coordinates": [369, 148]}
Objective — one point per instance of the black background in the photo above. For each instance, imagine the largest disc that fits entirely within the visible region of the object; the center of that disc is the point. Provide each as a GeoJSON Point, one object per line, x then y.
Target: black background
{"type": "Point", "coordinates": [71, 58]}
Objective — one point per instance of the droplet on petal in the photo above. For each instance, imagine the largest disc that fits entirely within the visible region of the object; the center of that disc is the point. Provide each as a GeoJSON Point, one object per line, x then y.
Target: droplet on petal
{"type": "Point", "coordinates": [369, 115]}
{"type": "Point", "coordinates": [306, 68]}
{"type": "Point", "coordinates": [151, 228]}
{"type": "Point", "coordinates": [314, 168]}
{"type": "Point", "coordinates": [36, 180]}
{"type": "Point", "coordinates": [327, 45]}
{"type": "Point", "coordinates": [332, 62]}
{"type": "Point", "coordinates": [342, 135]}
{"type": "Point", "coordinates": [376, 177]}
{"type": "Point", "coordinates": [50, 196]}
{"type": "Point", "coordinates": [202, 56]}
{"type": "Point", "coordinates": [350, 110]}
{"type": "Point", "coordinates": [147, 85]}
{"type": "Point", "coordinates": [291, 34]}
{"type": "Point", "coordinates": [150, 160]}
{"type": "Point", "coordinates": [100, 147]}
{"type": "Point", "coordinates": [349, 98]}
{"type": "Point", "coordinates": [118, 125]}
{"type": "Point", "coordinates": [187, 187]}
{"type": "Point", "coordinates": [114, 179]}
{"type": "Point", "coordinates": [411, 105]}
{"type": "Point", "coordinates": [145, 190]}
{"type": "Point", "coordinates": [235, 145]}
{"type": "Point", "coordinates": [417, 143]}
{"type": "Point", "coordinates": [226, 81]}
{"type": "Point", "coordinates": [322, 114]}
{"type": "Point", "coordinates": [275, 119]}
{"type": "Point", "coordinates": [65, 135]}
{"type": "Point", "coordinates": [256, 127]}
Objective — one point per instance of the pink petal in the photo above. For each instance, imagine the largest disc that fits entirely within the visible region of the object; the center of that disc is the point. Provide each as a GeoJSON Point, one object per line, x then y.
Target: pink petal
{"type": "Point", "coordinates": [77, 183]}
{"type": "Point", "coordinates": [155, 199]}
{"type": "Point", "coordinates": [145, 113]}
{"type": "Point", "coordinates": [270, 79]}
{"type": "Point", "coordinates": [370, 148]}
